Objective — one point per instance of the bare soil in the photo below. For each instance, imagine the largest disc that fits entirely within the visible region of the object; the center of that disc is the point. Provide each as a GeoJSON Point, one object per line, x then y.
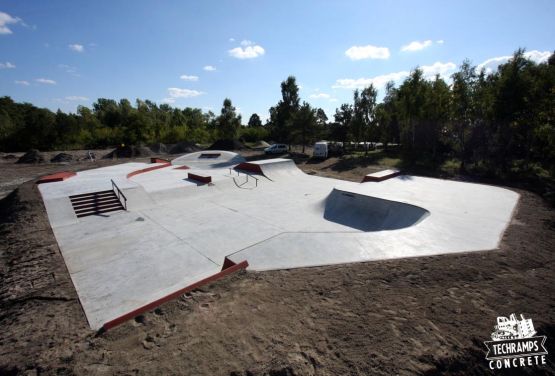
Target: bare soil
{"type": "Point", "coordinates": [426, 316]}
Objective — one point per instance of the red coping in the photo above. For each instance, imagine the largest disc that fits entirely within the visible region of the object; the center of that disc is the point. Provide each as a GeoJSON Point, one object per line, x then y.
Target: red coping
{"type": "Point", "coordinates": [380, 178]}
{"type": "Point", "coordinates": [137, 172]}
{"type": "Point", "coordinates": [225, 271]}
{"type": "Point", "coordinates": [201, 178]}
{"type": "Point", "coordinates": [59, 176]}
{"type": "Point", "coordinates": [182, 168]}
{"type": "Point", "coordinates": [158, 160]}
{"type": "Point", "coordinates": [253, 167]}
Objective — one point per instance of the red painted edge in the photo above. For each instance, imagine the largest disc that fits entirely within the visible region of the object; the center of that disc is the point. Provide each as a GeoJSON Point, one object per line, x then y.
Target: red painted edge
{"type": "Point", "coordinates": [247, 166]}
{"type": "Point", "coordinates": [59, 176]}
{"type": "Point", "coordinates": [381, 178]}
{"type": "Point", "coordinates": [158, 160]}
{"type": "Point", "coordinates": [182, 168]}
{"type": "Point", "coordinates": [141, 171]}
{"type": "Point", "coordinates": [201, 178]}
{"type": "Point", "coordinates": [174, 295]}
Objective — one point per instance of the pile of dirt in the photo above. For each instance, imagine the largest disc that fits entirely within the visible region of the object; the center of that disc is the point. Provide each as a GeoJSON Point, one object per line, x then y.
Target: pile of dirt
{"type": "Point", "coordinates": [260, 145]}
{"type": "Point", "coordinates": [62, 157]}
{"type": "Point", "coordinates": [32, 156]}
{"type": "Point", "coordinates": [129, 151]}
{"type": "Point", "coordinates": [227, 145]}
{"type": "Point", "coordinates": [184, 147]}
{"type": "Point", "coordinates": [159, 148]}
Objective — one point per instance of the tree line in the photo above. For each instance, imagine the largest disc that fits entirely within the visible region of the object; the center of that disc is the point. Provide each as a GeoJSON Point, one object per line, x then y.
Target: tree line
{"type": "Point", "coordinates": [490, 120]}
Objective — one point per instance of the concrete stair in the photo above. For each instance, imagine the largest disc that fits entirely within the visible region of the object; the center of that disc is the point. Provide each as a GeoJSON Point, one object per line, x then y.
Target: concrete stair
{"type": "Point", "coordinates": [95, 203]}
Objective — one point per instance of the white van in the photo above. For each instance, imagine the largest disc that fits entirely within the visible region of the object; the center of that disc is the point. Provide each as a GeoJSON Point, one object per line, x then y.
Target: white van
{"type": "Point", "coordinates": [320, 150]}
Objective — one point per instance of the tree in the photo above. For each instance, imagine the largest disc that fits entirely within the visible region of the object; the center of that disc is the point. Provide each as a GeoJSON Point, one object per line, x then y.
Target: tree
{"type": "Point", "coordinates": [283, 114]}
{"type": "Point", "coordinates": [228, 122]}
{"type": "Point", "coordinates": [343, 118]}
{"type": "Point", "coordinates": [254, 121]}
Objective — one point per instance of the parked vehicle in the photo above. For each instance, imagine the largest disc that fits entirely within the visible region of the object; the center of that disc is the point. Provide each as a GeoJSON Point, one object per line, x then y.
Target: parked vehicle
{"type": "Point", "coordinates": [276, 149]}
{"type": "Point", "coordinates": [325, 149]}
{"type": "Point", "coordinates": [320, 150]}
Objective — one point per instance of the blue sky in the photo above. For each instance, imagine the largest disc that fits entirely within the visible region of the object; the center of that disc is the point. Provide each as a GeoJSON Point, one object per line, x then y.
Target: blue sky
{"type": "Point", "coordinates": [60, 54]}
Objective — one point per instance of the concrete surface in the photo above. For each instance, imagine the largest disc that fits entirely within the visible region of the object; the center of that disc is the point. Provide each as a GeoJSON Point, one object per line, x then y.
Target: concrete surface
{"type": "Point", "coordinates": [177, 231]}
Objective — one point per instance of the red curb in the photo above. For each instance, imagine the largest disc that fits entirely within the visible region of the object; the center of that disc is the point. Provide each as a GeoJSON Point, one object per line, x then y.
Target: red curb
{"type": "Point", "coordinates": [158, 160]}
{"type": "Point", "coordinates": [247, 166]}
{"type": "Point", "coordinates": [174, 295]}
{"type": "Point", "coordinates": [182, 168]}
{"type": "Point", "coordinates": [141, 171]}
{"type": "Point", "coordinates": [60, 176]}
{"type": "Point", "coordinates": [201, 178]}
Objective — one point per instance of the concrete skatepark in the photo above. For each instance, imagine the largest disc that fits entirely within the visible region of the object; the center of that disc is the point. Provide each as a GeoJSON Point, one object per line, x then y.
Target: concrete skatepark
{"type": "Point", "coordinates": [187, 220]}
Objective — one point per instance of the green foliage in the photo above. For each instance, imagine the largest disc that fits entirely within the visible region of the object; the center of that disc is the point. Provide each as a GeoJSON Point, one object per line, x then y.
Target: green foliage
{"type": "Point", "coordinates": [107, 123]}
{"type": "Point", "coordinates": [228, 123]}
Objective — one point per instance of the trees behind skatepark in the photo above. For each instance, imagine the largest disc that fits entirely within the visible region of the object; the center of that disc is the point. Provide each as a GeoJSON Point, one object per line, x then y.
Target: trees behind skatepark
{"type": "Point", "coordinates": [496, 120]}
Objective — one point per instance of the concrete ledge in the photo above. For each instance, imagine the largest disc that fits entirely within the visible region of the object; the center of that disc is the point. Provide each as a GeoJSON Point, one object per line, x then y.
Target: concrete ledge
{"type": "Point", "coordinates": [143, 170]}
{"type": "Point", "coordinates": [199, 177]}
{"type": "Point", "coordinates": [381, 175]}
{"type": "Point", "coordinates": [60, 176]}
{"type": "Point", "coordinates": [233, 267]}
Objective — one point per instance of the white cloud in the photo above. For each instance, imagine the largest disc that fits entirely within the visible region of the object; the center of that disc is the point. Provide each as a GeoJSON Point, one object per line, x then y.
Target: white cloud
{"type": "Point", "coordinates": [7, 65]}
{"type": "Point", "coordinates": [416, 46]}
{"type": "Point", "coordinates": [76, 47]}
{"type": "Point", "coordinates": [76, 98]}
{"type": "Point", "coordinates": [367, 52]}
{"type": "Point", "coordinates": [232, 39]}
{"type": "Point", "coordinates": [443, 69]}
{"type": "Point", "coordinates": [209, 68]}
{"type": "Point", "coordinates": [175, 92]}
{"type": "Point", "coordinates": [440, 41]}
{"type": "Point", "coordinates": [5, 20]}
{"type": "Point", "coordinates": [319, 96]}
{"type": "Point", "coordinates": [22, 82]}
{"type": "Point", "coordinates": [46, 81]}
{"type": "Point", "coordinates": [490, 65]}
{"type": "Point", "coordinates": [379, 82]}
{"type": "Point", "coordinates": [185, 77]}
{"type": "Point", "coordinates": [249, 50]}
{"type": "Point", "coordinates": [69, 69]}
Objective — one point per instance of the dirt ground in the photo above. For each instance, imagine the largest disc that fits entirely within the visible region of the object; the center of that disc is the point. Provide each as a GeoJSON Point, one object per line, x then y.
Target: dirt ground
{"type": "Point", "coordinates": [426, 316]}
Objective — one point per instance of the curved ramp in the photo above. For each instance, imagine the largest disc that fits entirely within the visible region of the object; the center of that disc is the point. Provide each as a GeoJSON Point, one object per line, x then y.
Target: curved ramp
{"type": "Point", "coordinates": [273, 169]}
{"type": "Point", "coordinates": [367, 213]}
{"type": "Point", "coordinates": [209, 159]}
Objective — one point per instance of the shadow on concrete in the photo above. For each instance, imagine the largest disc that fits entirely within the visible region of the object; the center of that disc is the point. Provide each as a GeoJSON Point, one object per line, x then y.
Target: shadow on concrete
{"type": "Point", "coordinates": [366, 213]}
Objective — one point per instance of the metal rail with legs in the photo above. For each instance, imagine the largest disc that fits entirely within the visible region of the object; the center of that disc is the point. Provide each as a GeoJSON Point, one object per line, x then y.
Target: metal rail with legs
{"type": "Point", "coordinates": [247, 175]}
{"type": "Point", "coordinates": [120, 194]}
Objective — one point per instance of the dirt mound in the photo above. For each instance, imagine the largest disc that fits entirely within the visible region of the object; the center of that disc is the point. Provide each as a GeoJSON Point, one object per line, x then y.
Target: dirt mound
{"type": "Point", "coordinates": [184, 147]}
{"type": "Point", "coordinates": [227, 145]}
{"type": "Point", "coordinates": [129, 151]}
{"type": "Point", "coordinates": [159, 148]}
{"type": "Point", "coordinates": [260, 145]}
{"type": "Point", "coordinates": [62, 157]}
{"type": "Point", "coordinates": [32, 156]}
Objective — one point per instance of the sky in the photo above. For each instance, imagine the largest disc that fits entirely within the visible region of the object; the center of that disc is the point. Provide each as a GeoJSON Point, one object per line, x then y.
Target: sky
{"type": "Point", "coordinates": [62, 54]}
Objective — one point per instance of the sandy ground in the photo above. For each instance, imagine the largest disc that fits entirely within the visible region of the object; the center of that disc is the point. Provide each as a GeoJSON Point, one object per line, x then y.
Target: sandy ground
{"type": "Point", "coordinates": [423, 316]}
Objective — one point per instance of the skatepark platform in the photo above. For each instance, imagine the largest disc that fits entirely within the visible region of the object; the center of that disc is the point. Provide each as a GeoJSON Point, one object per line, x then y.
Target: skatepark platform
{"type": "Point", "coordinates": [176, 232]}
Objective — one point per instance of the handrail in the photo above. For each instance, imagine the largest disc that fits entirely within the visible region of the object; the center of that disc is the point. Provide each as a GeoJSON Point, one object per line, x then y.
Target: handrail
{"type": "Point", "coordinates": [120, 194]}
{"type": "Point", "coordinates": [238, 174]}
